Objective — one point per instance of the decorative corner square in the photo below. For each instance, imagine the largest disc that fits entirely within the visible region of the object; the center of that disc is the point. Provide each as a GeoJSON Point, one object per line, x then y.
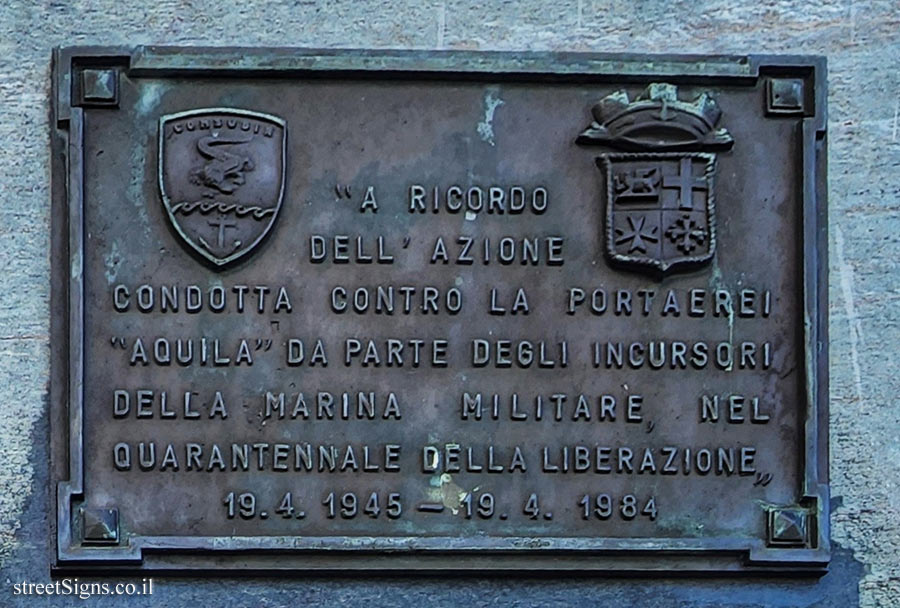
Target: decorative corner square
{"type": "Point", "coordinates": [784, 96]}
{"type": "Point", "coordinates": [99, 87]}
{"type": "Point", "coordinates": [101, 526]}
{"type": "Point", "coordinates": [788, 527]}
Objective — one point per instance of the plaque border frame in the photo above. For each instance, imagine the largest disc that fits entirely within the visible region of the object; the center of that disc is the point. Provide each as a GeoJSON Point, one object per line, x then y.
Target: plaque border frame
{"type": "Point", "coordinates": [343, 554]}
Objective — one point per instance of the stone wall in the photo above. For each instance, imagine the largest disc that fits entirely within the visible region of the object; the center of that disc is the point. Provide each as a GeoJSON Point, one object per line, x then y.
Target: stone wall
{"type": "Point", "coordinates": [862, 42]}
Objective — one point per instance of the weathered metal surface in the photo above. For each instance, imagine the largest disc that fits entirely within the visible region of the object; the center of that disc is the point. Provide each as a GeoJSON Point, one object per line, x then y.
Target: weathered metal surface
{"type": "Point", "coordinates": [440, 311]}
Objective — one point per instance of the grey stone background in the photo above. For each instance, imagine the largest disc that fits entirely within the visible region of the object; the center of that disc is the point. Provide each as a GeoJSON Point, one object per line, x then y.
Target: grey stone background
{"type": "Point", "coordinates": [862, 42]}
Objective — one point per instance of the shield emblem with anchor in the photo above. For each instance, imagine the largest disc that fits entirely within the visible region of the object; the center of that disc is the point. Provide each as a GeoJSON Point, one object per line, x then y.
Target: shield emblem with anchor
{"type": "Point", "coordinates": [660, 190]}
{"type": "Point", "coordinates": [221, 176]}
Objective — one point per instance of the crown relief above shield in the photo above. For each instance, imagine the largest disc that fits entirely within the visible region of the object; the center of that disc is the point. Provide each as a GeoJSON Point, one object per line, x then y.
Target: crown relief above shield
{"type": "Point", "coordinates": [659, 176]}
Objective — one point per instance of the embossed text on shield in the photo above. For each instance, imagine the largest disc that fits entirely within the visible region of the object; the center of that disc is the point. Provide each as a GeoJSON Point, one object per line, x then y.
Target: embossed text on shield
{"type": "Point", "coordinates": [221, 177]}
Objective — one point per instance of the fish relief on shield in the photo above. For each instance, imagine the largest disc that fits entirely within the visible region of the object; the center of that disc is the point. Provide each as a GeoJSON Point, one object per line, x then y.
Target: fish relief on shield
{"type": "Point", "coordinates": [221, 176]}
{"type": "Point", "coordinates": [660, 181]}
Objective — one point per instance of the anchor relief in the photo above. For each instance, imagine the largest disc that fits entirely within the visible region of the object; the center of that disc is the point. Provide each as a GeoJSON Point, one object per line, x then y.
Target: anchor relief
{"type": "Point", "coordinates": [221, 176]}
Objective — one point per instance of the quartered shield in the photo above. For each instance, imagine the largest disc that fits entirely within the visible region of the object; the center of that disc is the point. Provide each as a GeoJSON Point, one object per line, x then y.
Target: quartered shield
{"type": "Point", "coordinates": [221, 176]}
{"type": "Point", "coordinates": [659, 190]}
{"type": "Point", "coordinates": [660, 208]}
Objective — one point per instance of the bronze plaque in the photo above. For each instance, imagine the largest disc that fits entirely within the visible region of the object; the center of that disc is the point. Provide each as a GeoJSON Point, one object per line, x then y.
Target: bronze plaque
{"type": "Point", "coordinates": [336, 310]}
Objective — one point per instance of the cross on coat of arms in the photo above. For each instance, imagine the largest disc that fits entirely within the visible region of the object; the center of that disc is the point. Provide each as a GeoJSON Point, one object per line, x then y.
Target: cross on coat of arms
{"type": "Point", "coordinates": [659, 183]}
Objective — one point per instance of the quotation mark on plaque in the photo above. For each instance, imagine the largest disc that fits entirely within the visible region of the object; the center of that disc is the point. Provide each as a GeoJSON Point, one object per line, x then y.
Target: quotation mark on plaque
{"type": "Point", "coordinates": [342, 191]}
{"type": "Point", "coordinates": [762, 479]}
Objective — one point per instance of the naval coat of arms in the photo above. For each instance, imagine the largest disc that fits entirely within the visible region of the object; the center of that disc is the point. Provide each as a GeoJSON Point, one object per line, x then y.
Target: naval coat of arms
{"type": "Point", "coordinates": [659, 177]}
{"type": "Point", "coordinates": [221, 176]}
